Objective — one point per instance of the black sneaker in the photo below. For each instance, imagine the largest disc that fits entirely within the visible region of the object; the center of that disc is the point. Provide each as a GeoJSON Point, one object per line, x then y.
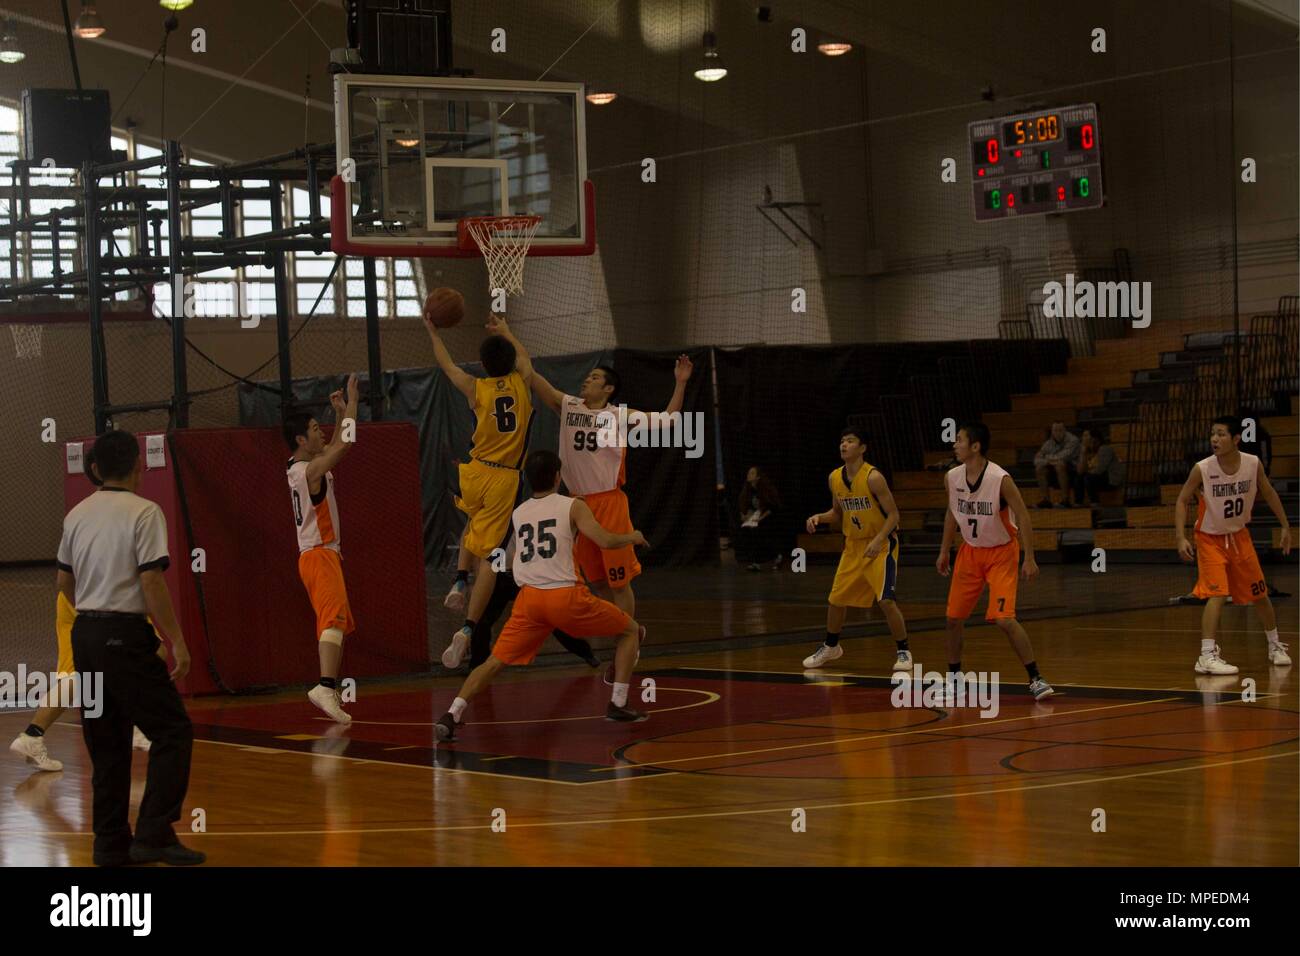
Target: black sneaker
{"type": "Point", "coordinates": [174, 855]}
{"type": "Point", "coordinates": [624, 715]}
{"type": "Point", "coordinates": [446, 727]}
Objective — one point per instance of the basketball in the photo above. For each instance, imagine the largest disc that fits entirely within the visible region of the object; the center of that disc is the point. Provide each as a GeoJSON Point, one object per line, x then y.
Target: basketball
{"type": "Point", "coordinates": [444, 307]}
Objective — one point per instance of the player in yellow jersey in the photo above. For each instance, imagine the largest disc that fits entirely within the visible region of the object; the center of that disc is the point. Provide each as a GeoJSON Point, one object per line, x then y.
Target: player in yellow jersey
{"type": "Point", "coordinates": [863, 506]}
{"type": "Point", "coordinates": [489, 482]}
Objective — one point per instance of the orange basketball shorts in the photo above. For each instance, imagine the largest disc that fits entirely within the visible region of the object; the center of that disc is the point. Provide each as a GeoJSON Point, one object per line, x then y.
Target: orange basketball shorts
{"type": "Point", "coordinates": [1227, 565]}
{"type": "Point", "coordinates": [977, 567]}
{"type": "Point", "coordinates": [538, 611]}
{"type": "Point", "coordinates": [617, 566]}
{"type": "Point", "coordinates": [321, 570]}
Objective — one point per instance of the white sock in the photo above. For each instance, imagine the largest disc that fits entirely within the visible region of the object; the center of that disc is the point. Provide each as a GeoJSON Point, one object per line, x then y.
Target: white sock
{"type": "Point", "coordinates": [620, 695]}
{"type": "Point", "coordinates": [458, 707]}
{"type": "Point", "coordinates": [1271, 635]}
{"type": "Point", "coordinates": [1207, 648]}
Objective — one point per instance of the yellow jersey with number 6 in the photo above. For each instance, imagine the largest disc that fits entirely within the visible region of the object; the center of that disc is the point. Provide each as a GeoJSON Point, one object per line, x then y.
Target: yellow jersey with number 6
{"type": "Point", "coordinates": [504, 411]}
{"type": "Point", "coordinates": [862, 515]}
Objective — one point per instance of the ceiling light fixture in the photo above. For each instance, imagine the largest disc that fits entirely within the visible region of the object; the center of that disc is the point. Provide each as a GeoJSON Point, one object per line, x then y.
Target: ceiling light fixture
{"type": "Point", "coordinates": [9, 52]}
{"type": "Point", "coordinates": [834, 47]}
{"type": "Point", "coordinates": [601, 99]}
{"type": "Point", "coordinates": [711, 70]}
{"type": "Point", "coordinates": [89, 25]}
{"type": "Point", "coordinates": [174, 5]}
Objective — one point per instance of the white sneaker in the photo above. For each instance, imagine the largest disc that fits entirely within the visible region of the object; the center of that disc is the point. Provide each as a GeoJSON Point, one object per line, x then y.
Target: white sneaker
{"type": "Point", "coordinates": [823, 656]}
{"type": "Point", "coordinates": [1212, 663]}
{"type": "Point", "coordinates": [455, 599]}
{"type": "Point", "coordinates": [329, 701]}
{"type": "Point", "coordinates": [138, 740]}
{"type": "Point", "coordinates": [32, 749]}
{"type": "Point", "coordinates": [1277, 654]}
{"type": "Point", "coordinates": [456, 650]}
{"type": "Point", "coordinates": [904, 661]}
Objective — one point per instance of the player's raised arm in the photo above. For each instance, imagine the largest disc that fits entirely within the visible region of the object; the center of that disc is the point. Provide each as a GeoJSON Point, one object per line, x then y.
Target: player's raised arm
{"type": "Point", "coordinates": [1269, 494]}
{"type": "Point", "coordinates": [1186, 495]}
{"type": "Point", "coordinates": [1011, 494]}
{"type": "Point", "coordinates": [682, 374]}
{"type": "Point", "coordinates": [523, 364]}
{"type": "Point", "coordinates": [462, 380]}
{"type": "Point", "coordinates": [551, 396]}
{"type": "Point", "coordinates": [880, 488]}
{"type": "Point", "coordinates": [345, 409]}
{"type": "Point", "coordinates": [582, 518]}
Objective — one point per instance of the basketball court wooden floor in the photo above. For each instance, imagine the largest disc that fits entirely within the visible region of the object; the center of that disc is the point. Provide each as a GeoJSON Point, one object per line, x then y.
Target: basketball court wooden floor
{"type": "Point", "coordinates": [1186, 772]}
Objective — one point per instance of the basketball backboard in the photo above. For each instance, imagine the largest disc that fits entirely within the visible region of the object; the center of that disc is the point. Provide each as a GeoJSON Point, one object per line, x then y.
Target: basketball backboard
{"type": "Point", "coordinates": [418, 154]}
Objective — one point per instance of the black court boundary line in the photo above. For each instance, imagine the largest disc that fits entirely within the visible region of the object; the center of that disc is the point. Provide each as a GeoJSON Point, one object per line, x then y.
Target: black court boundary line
{"type": "Point", "coordinates": [441, 758]}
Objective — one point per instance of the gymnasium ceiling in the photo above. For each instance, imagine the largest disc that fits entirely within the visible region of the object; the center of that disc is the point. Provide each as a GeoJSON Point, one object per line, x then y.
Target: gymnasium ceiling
{"type": "Point", "coordinates": [262, 86]}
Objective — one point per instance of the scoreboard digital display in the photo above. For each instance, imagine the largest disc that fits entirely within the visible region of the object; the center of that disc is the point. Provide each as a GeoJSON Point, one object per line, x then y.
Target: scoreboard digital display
{"type": "Point", "coordinates": [1033, 163]}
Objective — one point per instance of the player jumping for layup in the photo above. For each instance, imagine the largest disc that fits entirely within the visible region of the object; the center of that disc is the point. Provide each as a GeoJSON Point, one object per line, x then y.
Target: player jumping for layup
{"type": "Point", "coordinates": [320, 561]}
{"type": "Point", "coordinates": [489, 481]}
{"type": "Point", "coordinates": [1225, 556]}
{"type": "Point", "coordinates": [545, 530]}
{"type": "Point", "coordinates": [980, 496]}
{"type": "Point", "coordinates": [595, 469]}
{"type": "Point", "coordinates": [863, 506]}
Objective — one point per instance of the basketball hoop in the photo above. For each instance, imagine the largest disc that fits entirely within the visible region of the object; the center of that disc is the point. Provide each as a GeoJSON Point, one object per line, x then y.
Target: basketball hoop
{"type": "Point", "coordinates": [27, 340]}
{"type": "Point", "coordinates": [504, 242]}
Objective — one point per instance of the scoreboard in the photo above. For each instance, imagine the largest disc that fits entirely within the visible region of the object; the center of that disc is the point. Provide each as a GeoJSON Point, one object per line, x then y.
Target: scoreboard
{"type": "Point", "coordinates": [1039, 162]}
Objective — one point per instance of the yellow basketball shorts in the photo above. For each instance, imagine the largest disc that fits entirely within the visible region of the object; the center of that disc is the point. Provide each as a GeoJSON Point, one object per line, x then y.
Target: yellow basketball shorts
{"type": "Point", "coordinates": [861, 581]}
{"type": "Point", "coordinates": [487, 495]}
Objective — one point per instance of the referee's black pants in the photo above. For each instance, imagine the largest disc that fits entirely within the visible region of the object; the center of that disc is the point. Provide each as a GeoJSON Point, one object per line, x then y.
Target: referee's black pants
{"type": "Point", "coordinates": [136, 690]}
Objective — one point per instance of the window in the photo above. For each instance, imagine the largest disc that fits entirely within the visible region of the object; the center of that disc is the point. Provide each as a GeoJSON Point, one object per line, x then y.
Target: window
{"type": "Point", "coordinates": [216, 291]}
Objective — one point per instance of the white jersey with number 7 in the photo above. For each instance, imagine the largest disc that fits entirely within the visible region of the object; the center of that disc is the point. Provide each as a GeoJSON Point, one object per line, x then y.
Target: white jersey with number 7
{"type": "Point", "coordinates": [983, 521]}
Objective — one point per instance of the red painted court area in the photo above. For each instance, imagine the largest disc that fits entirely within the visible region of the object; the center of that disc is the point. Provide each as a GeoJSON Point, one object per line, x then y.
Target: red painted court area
{"type": "Point", "coordinates": [766, 725]}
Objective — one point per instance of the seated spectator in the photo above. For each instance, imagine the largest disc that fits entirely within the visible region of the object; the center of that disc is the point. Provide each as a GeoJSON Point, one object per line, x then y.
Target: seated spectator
{"type": "Point", "coordinates": [1054, 462]}
{"type": "Point", "coordinates": [758, 537]}
{"type": "Point", "coordinates": [1096, 470]}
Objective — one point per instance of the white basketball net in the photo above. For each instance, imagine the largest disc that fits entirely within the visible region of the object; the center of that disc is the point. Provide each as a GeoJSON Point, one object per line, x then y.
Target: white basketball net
{"type": "Point", "coordinates": [504, 242]}
{"type": "Point", "coordinates": [27, 340]}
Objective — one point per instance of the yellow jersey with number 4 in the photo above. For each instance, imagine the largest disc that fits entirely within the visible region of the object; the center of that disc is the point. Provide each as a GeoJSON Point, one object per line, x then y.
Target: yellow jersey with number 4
{"type": "Point", "coordinates": [504, 411]}
{"type": "Point", "coordinates": [862, 514]}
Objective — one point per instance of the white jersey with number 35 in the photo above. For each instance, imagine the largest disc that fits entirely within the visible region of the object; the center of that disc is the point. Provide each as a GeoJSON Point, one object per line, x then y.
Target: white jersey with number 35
{"type": "Point", "coordinates": [544, 543]}
{"type": "Point", "coordinates": [979, 511]}
{"type": "Point", "coordinates": [1227, 500]}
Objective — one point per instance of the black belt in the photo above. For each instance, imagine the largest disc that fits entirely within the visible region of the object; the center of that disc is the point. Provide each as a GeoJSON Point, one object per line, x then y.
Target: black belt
{"type": "Point", "coordinates": [114, 615]}
{"type": "Point", "coordinates": [494, 464]}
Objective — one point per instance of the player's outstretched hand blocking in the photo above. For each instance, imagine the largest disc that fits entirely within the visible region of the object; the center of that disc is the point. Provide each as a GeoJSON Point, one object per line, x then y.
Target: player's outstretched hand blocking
{"type": "Point", "coordinates": [354, 387]}
{"type": "Point", "coordinates": [682, 371]}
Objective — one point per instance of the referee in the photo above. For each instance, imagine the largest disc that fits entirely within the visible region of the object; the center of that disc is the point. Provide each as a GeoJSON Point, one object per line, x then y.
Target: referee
{"type": "Point", "coordinates": [111, 563]}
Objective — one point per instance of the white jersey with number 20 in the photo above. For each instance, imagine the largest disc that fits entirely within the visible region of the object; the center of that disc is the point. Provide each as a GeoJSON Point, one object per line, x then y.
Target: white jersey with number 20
{"type": "Point", "coordinates": [1228, 499]}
